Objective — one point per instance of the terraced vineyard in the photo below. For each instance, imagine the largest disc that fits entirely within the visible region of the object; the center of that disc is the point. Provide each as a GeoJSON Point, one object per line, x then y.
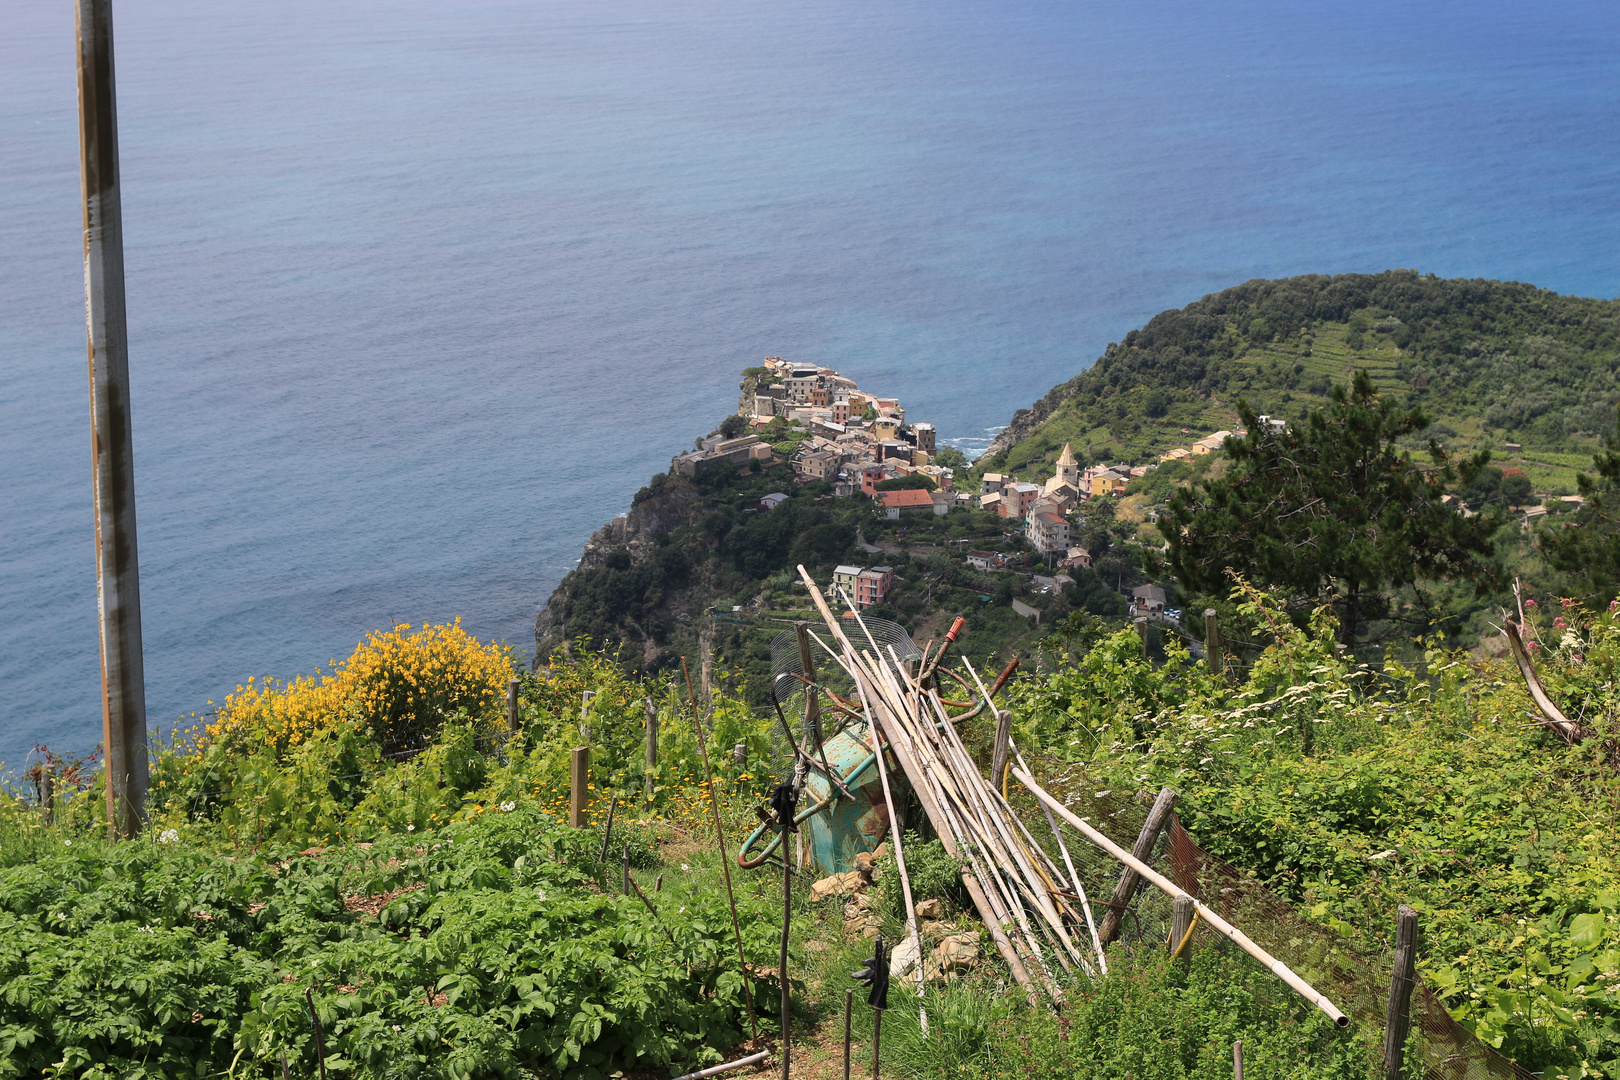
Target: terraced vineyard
{"type": "Point", "coordinates": [1527, 374]}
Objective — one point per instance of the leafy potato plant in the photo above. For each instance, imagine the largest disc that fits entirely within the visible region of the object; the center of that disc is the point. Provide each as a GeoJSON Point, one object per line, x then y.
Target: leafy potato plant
{"type": "Point", "coordinates": [494, 953]}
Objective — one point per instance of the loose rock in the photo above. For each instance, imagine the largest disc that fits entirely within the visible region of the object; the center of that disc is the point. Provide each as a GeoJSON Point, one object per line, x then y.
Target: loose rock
{"type": "Point", "coordinates": [904, 957]}
{"type": "Point", "coordinates": [957, 953]}
{"type": "Point", "coordinates": [838, 885]}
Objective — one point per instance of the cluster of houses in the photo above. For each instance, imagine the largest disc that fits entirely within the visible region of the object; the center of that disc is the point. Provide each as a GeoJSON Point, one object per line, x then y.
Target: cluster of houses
{"type": "Point", "coordinates": [1045, 509]}
{"type": "Point", "coordinates": [857, 440]}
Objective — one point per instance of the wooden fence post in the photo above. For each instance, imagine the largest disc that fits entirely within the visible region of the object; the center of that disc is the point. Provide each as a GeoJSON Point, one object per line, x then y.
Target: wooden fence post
{"type": "Point", "coordinates": [1398, 1020]}
{"type": "Point", "coordinates": [585, 697]}
{"type": "Point", "coordinates": [578, 782]}
{"type": "Point", "coordinates": [1157, 819]}
{"type": "Point", "coordinates": [48, 782]}
{"type": "Point", "coordinates": [1237, 1060]}
{"type": "Point", "coordinates": [1214, 655]}
{"type": "Point", "coordinates": [512, 707]}
{"type": "Point", "coordinates": [1181, 921]}
{"type": "Point", "coordinates": [652, 750]}
{"type": "Point", "coordinates": [1142, 632]}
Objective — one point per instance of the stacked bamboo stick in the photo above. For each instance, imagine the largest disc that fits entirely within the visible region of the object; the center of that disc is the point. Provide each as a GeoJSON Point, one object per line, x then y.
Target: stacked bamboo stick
{"type": "Point", "coordinates": [1021, 894]}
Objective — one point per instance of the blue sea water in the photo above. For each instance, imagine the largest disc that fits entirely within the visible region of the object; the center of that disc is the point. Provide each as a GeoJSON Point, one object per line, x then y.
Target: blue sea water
{"type": "Point", "coordinates": [420, 293]}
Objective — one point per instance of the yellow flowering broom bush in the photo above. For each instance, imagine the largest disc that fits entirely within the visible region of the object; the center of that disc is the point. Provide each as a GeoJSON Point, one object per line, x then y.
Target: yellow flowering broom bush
{"type": "Point", "coordinates": [399, 687]}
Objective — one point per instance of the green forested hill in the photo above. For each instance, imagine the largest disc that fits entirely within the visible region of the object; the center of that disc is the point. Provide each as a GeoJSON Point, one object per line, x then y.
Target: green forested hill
{"type": "Point", "coordinates": [1492, 363]}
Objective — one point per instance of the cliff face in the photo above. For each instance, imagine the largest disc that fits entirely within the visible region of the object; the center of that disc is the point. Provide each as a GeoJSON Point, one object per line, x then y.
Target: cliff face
{"type": "Point", "coordinates": [625, 571]}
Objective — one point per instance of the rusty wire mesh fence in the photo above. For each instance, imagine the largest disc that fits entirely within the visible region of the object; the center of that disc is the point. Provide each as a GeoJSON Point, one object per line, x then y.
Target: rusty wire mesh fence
{"type": "Point", "coordinates": [1354, 975]}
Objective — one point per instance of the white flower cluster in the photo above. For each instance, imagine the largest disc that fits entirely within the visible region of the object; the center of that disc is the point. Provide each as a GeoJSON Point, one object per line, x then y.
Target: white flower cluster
{"type": "Point", "coordinates": [169, 836]}
{"type": "Point", "coordinates": [508, 806]}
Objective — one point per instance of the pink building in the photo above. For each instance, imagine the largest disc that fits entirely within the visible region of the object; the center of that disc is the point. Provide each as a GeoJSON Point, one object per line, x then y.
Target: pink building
{"type": "Point", "coordinates": [872, 585]}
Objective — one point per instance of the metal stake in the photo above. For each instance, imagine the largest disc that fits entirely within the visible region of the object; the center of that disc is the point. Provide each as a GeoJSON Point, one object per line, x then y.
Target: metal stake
{"type": "Point", "coordinates": [320, 1038]}
{"type": "Point", "coordinates": [781, 970]}
{"type": "Point", "coordinates": [118, 585]}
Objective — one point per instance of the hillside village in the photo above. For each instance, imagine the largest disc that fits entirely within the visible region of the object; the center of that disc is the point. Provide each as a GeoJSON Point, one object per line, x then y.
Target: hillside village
{"type": "Point", "coordinates": [862, 445]}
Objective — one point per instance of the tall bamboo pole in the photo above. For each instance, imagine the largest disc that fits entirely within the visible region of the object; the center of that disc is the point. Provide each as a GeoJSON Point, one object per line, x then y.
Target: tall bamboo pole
{"type": "Point", "coordinates": [725, 860]}
{"type": "Point", "coordinates": [118, 584]}
{"type": "Point", "coordinates": [914, 937]}
{"type": "Point", "coordinates": [1170, 888]}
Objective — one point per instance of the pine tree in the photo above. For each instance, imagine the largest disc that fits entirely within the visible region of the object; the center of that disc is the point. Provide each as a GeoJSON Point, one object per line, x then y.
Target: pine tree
{"type": "Point", "coordinates": [1331, 508]}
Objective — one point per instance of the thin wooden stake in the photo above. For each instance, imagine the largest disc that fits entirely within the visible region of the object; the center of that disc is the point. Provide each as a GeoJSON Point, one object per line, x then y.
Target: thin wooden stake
{"type": "Point", "coordinates": [1237, 1060]}
{"type": "Point", "coordinates": [1157, 819]}
{"type": "Point", "coordinates": [579, 780]}
{"type": "Point", "coordinates": [877, 1039]}
{"type": "Point", "coordinates": [48, 783]}
{"type": "Point", "coordinates": [725, 860]}
{"type": "Point", "coordinates": [647, 779]}
{"type": "Point", "coordinates": [512, 707]}
{"type": "Point", "coordinates": [849, 997]}
{"type": "Point", "coordinates": [607, 834]}
{"type": "Point", "coordinates": [625, 863]}
{"type": "Point", "coordinates": [1398, 1018]}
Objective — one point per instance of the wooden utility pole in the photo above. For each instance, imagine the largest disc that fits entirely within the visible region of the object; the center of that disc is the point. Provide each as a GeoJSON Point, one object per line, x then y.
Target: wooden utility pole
{"type": "Point", "coordinates": [118, 586]}
{"type": "Point", "coordinates": [1157, 819]}
{"type": "Point", "coordinates": [1398, 1018]}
